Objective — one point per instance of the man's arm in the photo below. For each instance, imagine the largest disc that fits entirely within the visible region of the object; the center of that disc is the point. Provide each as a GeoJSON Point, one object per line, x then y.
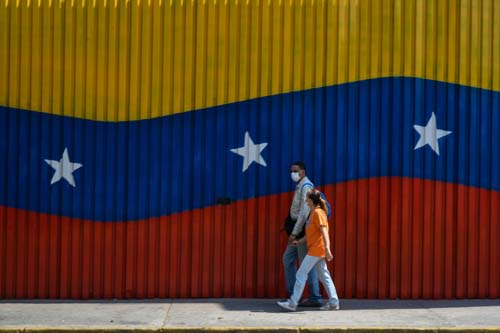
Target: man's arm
{"type": "Point", "coordinates": [304, 212]}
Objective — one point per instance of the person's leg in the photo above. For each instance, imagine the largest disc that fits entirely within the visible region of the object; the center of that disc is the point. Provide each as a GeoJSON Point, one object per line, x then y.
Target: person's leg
{"type": "Point", "coordinates": [300, 281]}
{"type": "Point", "coordinates": [326, 280]}
{"type": "Point", "coordinates": [312, 279]}
{"type": "Point", "coordinates": [290, 257]}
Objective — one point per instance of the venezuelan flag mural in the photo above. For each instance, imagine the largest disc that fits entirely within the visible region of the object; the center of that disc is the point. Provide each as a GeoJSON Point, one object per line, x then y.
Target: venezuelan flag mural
{"type": "Point", "coordinates": [145, 145]}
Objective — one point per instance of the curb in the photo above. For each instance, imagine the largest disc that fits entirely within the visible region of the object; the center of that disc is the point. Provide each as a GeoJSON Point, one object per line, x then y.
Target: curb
{"type": "Point", "coordinates": [250, 329]}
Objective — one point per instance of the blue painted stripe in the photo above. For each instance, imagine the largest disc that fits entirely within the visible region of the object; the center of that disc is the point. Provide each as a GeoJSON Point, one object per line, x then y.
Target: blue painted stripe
{"type": "Point", "coordinates": [135, 170]}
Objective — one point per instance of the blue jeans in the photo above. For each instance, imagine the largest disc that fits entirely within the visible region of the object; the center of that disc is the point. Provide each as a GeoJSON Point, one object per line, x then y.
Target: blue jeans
{"type": "Point", "coordinates": [292, 253]}
{"type": "Point", "coordinates": [314, 264]}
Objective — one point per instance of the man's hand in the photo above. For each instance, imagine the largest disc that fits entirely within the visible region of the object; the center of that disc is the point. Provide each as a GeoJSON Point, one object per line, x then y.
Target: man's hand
{"type": "Point", "coordinates": [291, 238]}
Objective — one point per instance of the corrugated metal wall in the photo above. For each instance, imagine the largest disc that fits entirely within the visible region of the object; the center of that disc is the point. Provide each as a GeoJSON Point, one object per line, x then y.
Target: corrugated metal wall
{"type": "Point", "coordinates": [149, 97]}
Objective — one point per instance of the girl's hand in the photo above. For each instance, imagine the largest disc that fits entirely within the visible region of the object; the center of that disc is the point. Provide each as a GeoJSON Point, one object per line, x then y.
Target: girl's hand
{"type": "Point", "coordinates": [329, 255]}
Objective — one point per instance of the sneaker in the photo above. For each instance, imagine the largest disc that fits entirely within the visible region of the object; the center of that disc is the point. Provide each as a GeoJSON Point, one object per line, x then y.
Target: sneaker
{"type": "Point", "coordinates": [307, 303]}
{"type": "Point", "coordinates": [330, 307]}
{"type": "Point", "coordinates": [287, 305]}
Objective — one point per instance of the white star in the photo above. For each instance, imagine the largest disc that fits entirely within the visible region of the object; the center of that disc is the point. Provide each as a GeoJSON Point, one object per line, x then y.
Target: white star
{"type": "Point", "coordinates": [63, 169]}
{"type": "Point", "coordinates": [250, 152]}
{"type": "Point", "coordinates": [430, 134]}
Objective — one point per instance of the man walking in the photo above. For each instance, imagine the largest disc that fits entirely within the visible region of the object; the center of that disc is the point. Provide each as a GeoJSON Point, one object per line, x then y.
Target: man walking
{"type": "Point", "coordinates": [299, 212]}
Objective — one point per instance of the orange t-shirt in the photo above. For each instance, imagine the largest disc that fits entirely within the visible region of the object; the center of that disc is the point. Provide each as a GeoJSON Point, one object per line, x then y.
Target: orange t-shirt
{"type": "Point", "coordinates": [314, 237]}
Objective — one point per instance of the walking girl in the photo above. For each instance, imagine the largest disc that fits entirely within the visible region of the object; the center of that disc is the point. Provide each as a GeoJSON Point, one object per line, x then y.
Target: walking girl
{"type": "Point", "coordinates": [318, 252]}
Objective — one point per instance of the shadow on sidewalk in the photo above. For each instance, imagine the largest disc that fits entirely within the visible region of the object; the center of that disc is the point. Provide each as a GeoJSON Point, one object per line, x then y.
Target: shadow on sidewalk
{"type": "Point", "coordinates": [270, 306]}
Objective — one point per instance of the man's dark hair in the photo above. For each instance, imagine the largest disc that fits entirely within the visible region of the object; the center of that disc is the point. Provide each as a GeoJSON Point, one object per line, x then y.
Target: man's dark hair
{"type": "Point", "coordinates": [300, 164]}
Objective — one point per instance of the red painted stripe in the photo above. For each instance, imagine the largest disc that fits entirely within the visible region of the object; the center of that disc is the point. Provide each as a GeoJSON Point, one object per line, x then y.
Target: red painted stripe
{"type": "Point", "coordinates": [436, 274]}
{"type": "Point", "coordinates": [109, 258]}
{"type": "Point", "coordinates": [197, 249]}
{"type": "Point", "coordinates": [3, 251]}
{"type": "Point", "coordinates": [65, 264]}
{"type": "Point", "coordinates": [472, 244]}
{"type": "Point", "coordinates": [494, 245]}
{"type": "Point", "coordinates": [380, 222]}
{"type": "Point", "coordinates": [483, 246]}
{"type": "Point", "coordinates": [416, 221]}
{"type": "Point", "coordinates": [20, 266]}
{"type": "Point", "coordinates": [394, 205]}
{"type": "Point", "coordinates": [461, 247]}
{"type": "Point", "coordinates": [43, 253]}
{"type": "Point", "coordinates": [392, 238]}
{"type": "Point", "coordinates": [11, 254]}
{"type": "Point", "coordinates": [32, 231]}
{"type": "Point", "coordinates": [375, 260]}
{"type": "Point", "coordinates": [359, 208]}
{"type": "Point", "coordinates": [428, 220]}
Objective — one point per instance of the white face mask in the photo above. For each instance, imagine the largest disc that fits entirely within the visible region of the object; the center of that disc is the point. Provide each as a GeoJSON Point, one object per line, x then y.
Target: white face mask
{"type": "Point", "coordinates": [295, 176]}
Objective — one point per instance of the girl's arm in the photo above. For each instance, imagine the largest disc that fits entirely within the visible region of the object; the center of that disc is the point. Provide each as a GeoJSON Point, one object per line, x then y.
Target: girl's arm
{"type": "Point", "coordinates": [326, 238]}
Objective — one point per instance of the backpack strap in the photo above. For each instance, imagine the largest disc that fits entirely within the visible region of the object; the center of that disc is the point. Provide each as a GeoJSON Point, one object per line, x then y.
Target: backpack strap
{"type": "Point", "coordinates": [307, 184]}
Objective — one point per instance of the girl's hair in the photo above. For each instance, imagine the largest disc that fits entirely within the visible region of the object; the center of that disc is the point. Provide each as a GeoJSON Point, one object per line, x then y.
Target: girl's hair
{"type": "Point", "coordinates": [315, 196]}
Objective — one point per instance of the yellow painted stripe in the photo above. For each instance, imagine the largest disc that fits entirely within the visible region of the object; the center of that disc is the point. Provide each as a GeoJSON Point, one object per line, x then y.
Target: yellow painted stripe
{"type": "Point", "coordinates": [118, 60]}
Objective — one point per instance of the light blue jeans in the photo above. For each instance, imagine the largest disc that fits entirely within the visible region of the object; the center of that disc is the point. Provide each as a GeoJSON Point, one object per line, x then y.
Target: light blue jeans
{"type": "Point", "coordinates": [292, 253]}
{"type": "Point", "coordinates": [306, 267]}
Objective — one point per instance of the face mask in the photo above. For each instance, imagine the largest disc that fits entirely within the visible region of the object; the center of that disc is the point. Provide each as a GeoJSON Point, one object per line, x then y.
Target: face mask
{"type": "Point", "coordinates": [295, 176]}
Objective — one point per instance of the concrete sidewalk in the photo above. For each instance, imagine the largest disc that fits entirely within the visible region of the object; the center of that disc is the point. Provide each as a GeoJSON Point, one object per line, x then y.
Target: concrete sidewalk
{"type": "Point", "coordinates": [248, 315]}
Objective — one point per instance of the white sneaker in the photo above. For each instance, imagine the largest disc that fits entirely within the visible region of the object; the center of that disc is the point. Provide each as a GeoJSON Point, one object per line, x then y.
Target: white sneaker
{"type": "Point", "coordinates": [287, 305]}
{"type": "Point", "coordinates": [330, 306]}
